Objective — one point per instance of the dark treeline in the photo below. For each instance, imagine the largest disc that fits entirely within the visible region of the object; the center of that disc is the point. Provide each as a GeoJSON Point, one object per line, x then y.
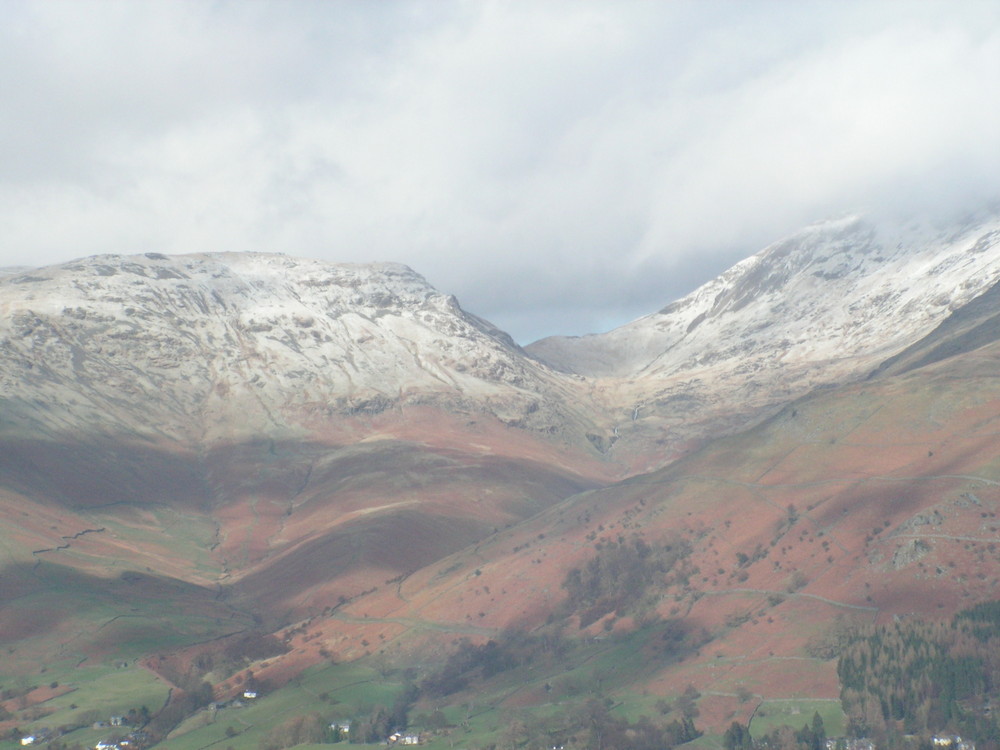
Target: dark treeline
{"type": "Point", "coordinates": [593, 725]}
{"type": "Point", "coordinates": [620, 575]}
{"type": "Point", "coordinates": [917, 678]}
{"type": "Point", "coordinates": [382, 721]}
{"type": "Point", "coordinates": [599, 729]}
{"type": "Point", "coordinates": [811, 736]}
{"type": "Point", "coordinates": [510, 649]}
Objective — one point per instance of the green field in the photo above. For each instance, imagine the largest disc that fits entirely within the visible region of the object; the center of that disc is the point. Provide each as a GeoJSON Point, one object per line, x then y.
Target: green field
{"type": "Point", "coordinates": [489, 714]}
{"type": "Point", "coordinates": [335, 692]}
{"type": "Point", "coordinates": [794, 713]}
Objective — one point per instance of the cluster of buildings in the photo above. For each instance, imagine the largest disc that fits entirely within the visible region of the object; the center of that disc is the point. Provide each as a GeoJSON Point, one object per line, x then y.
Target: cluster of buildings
{"type": "Point", "coordinates": [39, 737]}
{"type": "Point", "coordinates": [133, 741]}
{"type": "Point", "coordinates": [849, 743]}
{"type": "Point", "coordinates": [238, 702]}
{"type": "Point", "coordinates": [940, 741]}
{"type": "Point", "coordinates": [952, 742]}
{"type": "Point", "coordinates": [397, 738]}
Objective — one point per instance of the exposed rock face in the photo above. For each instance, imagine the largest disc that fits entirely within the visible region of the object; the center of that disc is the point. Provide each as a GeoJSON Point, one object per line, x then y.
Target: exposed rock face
{"type": "Point", "coordinates": [310, 414]}
{"type": "Point", "coordinates": [208, 347]}
{"type": "Point", "coordinates": [223, 347]}
{"type": "Point", "coordinates": [822, 307]}
{"type": "Point", "coordinates": [834, 290]}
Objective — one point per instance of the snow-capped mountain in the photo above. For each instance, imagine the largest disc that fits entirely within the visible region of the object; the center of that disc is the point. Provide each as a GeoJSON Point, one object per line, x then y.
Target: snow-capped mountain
{"type": "Point", "coordinates": [198, 450]}
{"type": "Point", "coordinates": [229, 345]}
{"type": "Point", "coordinates": [834, 290]}
{"type": "Point", "coordinates": [823, 306]}
{"type": "Point", "coordinates": [209, 458]}
{"type": "Point", "coordinates": [222, 347]}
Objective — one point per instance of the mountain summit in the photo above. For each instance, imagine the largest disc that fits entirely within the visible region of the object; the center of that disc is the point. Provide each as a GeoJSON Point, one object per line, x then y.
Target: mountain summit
{"type": "Point", "coordinates": [215, 347]}
{"type": "Point", "coordinates": [824, 306]}
{"type": "Point", "coordinates": [221, 347]}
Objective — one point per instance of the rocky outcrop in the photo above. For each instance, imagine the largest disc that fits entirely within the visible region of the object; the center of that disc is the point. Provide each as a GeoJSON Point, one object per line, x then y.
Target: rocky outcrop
{"type": "Point", "coordinates": [207, 347]}
{"type": "Point", "coordinates": [223, 347]}
{"type": "Point", "coordinates": [823, 307]}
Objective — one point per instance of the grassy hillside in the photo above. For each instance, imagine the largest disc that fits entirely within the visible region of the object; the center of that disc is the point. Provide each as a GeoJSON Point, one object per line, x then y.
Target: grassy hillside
{"type": "Point", "coordinates": [472, 596]}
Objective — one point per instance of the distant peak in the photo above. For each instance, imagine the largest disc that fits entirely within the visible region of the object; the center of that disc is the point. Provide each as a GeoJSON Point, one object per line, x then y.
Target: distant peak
{"type": "Point", "coordinates": [247, 264]}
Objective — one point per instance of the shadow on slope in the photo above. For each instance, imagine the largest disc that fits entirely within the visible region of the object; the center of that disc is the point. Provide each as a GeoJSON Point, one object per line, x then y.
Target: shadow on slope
{"type": "Point", "coordinates": [292, 527]}
{"type": "Point", "coordinates": [95, 472]}
{"type": "Point", "coordinates": [858, 504]}
{"type": "Point", "coordinates": [970, 327]}
{"type": "Point", "coordinates": [50, 611]}
{"type": "Point", "coordinates": [354, 559]}
{"type": "Point", "coordinates": [369, 514]}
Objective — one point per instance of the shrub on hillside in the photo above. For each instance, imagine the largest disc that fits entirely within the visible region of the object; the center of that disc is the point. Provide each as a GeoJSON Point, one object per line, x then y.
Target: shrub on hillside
{"type": "Point", "coordinates": [619, 576]}
{"type": "Point", "coordinates": [296, 731]}
{"type": "Point", "coordinates": [510, 649]}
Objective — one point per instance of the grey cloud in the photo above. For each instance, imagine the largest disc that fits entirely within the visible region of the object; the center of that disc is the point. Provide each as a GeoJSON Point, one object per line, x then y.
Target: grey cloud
{"type": "Point", "coordinates": [558, 166]}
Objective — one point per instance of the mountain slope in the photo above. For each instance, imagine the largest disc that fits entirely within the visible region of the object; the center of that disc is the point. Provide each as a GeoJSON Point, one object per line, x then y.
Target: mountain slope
{"type": "Point", "coordinates": [822, 307]}
{"type": "Point", "coordinates": [834, 290]}
{"type": "Point", "coordinates": [342, 457]}
{"type": "Point", "coordinates": [259, 430]}
{"type": "Point", "coordinates": [862, 504]}
{"type": "Point", "coordinates": [220, 347]}
{"type": "Point", "coordinates": [967, 328]}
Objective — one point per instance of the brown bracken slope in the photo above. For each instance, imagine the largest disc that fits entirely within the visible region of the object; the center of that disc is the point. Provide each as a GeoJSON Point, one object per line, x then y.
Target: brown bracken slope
{"type": "Point", "coordinates": [861, 504]}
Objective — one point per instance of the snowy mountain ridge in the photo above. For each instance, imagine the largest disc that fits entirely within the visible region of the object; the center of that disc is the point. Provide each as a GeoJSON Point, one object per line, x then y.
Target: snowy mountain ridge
{"type": "Point", "coordinates": [213, 343]}
{"type": "Point", "coordinates": [210, 347]}
{"type": "Point", "coordinates": [822, 293]}
{"type": "Point", "coordinates": [824, 306]}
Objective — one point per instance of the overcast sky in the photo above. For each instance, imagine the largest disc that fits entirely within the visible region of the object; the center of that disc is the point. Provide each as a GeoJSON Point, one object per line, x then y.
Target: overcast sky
{"type": "Point", "coordinates": [561, 167]}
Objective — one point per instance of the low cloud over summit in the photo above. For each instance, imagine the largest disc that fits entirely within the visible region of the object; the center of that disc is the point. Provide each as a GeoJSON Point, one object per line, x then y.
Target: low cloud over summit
{"type": "Point", "coordinates": [562, 168]}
